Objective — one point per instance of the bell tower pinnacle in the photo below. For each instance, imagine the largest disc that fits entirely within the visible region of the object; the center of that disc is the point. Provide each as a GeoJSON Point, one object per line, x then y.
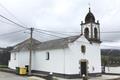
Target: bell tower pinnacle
{"type": "Point", "coordinates": [90, 29]}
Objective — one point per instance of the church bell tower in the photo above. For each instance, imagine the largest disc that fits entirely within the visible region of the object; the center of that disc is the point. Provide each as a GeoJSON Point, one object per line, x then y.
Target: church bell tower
{"type": "Point", "coordinates": [91, 29]}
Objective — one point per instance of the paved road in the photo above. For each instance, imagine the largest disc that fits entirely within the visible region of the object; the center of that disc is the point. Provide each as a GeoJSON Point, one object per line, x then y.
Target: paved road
{"type": "Point", "coordinates": [103, 77]}
{"type": "Point", "coordinates": [10, 76]}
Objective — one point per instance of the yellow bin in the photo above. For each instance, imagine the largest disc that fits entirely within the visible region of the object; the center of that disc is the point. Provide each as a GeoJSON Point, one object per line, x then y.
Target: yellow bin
{"type": "Point", "coordinates": [23, 71]}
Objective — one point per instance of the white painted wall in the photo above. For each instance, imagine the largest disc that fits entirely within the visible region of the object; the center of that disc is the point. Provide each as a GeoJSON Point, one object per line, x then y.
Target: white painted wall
{"type": "Point", "coordinates": [92, 55]}
{"type": "Point", "coordinates": [65, 61]}
{"type": "Point", "coordinates": [54, 64]}
{"type": "Point", "coordinates": [115, 70]}
{"type": "Point", "coordinates": [12, 62]}
{"type": "Point", "coordinates": [22, 59]}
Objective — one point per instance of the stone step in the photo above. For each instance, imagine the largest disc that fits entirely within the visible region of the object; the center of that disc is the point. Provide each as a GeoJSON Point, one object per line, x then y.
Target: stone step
{"type": "Point", "coordinates": [35, 78]}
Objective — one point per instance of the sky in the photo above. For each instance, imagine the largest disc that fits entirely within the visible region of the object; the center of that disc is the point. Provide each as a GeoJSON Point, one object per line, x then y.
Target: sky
{"type": "Point", "coordinates": [62, 16]}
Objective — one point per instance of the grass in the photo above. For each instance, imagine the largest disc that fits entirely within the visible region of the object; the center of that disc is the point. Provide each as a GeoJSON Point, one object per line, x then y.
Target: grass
{"type": "Point", "coordinates": [3, 66]}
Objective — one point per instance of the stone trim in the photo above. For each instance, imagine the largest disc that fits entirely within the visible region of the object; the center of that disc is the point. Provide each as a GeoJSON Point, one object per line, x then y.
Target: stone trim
{"type": "Point", "coordinates": [111, 73]}
{"type": "Point", "coordinates": [67, 76]}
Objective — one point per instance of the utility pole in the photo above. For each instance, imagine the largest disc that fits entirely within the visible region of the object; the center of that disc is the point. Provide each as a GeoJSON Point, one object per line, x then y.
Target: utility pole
{"type": "Point", "coordinates": [109, 59]}
{"type": "Point", "coordinates": [30, 55]}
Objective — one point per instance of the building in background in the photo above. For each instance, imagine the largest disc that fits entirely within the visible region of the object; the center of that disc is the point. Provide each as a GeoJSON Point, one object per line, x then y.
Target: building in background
{"type": "Point", "coordinates": [4, 56]}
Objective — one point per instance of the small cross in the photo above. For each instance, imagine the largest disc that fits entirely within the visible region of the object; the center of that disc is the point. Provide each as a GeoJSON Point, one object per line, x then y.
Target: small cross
{"type": "Point", "coordinates": [89, 4]}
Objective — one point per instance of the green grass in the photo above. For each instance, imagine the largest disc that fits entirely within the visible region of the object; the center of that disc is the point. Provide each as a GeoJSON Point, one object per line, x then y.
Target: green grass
{"type": "Point", "coordinates": [3, 66]}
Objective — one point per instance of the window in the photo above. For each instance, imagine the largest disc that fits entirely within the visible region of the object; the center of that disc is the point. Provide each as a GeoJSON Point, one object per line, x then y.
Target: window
{"type": "Point", "coordinates": [86, 33]}
{"type": "Point", "coordinates": [47, 55]}
{"type": "Point", "coordinates": [95, 33]}
{"type": "Point", "coordinates": [83, 49]}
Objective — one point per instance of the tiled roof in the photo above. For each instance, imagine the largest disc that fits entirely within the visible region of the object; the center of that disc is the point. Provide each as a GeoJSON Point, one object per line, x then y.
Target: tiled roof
{"type": "Point", "coordinates": [52, 44]}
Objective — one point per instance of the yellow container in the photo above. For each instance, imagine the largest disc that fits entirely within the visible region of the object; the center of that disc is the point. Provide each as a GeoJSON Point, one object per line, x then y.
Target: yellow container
{"type": "Point", "coordinates": [23, 71]}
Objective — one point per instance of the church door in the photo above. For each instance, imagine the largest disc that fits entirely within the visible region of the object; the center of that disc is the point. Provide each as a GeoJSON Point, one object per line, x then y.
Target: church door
{"type": "Point", "coordinates": [83, 68]}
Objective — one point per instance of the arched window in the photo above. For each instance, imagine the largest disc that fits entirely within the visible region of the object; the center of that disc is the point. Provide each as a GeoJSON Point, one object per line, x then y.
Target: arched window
{"type": "Point", "coordinates": [95, 33]}
{"type": "Point", "coordinates": [83, 49]}
{"type": "Point", "coordinates": [86, 32]}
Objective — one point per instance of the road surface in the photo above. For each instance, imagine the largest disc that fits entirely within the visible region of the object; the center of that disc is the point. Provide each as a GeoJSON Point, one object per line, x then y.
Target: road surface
{"type": "Point", "coordinates": [10, 76]}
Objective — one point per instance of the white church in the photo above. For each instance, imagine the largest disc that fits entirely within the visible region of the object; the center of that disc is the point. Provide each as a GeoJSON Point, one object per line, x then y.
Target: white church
{"type": "Point", "coordinates": [69, 57]}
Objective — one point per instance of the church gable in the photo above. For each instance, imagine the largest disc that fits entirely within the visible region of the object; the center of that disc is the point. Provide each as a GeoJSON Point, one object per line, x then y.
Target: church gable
{"type": "Point", "coordinates": [25, 45]}
{"type": "Point", "coordinates": [82, 39]}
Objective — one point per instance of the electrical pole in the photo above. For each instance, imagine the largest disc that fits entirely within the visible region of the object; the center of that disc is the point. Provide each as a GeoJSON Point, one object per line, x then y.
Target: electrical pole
{"type": "Point", "coordinates": [30, 55]}
{"type": "Point", "coordinates": [109, 59]}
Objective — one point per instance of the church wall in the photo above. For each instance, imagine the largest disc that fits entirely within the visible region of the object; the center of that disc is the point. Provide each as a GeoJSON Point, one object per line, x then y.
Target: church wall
{"type": "Point", "coordinates": [64, 61]}
{"type": "Point", "coordinates": [12, 62]}
{"type": "Point", "coordinates": [95, 58]}
{"type": "Point", "coordinates": [56, 63]}
{"type": "Point", "coordinates": [20, 59]}
{"type": "Point", "coordinates": [92, 55]}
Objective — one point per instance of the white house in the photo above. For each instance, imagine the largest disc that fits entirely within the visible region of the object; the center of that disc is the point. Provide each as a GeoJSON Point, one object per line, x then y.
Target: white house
{"type": "Point", "coordinates": [68, 57]}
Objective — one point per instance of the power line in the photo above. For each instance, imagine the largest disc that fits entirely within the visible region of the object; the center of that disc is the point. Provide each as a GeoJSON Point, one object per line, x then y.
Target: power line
{"type": "Point", "coordinates": [108, 41]}
{"type": "Point", "coordinates": [13, 22]}
{"type": "Point", "coordinates": [39, 29]}
{"type": "Point", "coordinates": [10, 13]}
{"type": "Point", "coordinates": [111, 32]}
{"type": "Point", "coordinates": [45, 30]}
{"type": "Point", "coordinates": [63, 32]}
{"type": "Point", "coordinates": [56, 32]}
{"type": "Point", "coordinates": [38, 34]}
{"type": "Point", "coordinates": [6, 22]}
{"type": "Point", "coordinates": [48, 34]}
{"type": "Point", "coordinates": [11, 33]}
{"type": "Point", "coordinates": [58, 36]}
{"type": "Point", "coordinates": [110, 46]}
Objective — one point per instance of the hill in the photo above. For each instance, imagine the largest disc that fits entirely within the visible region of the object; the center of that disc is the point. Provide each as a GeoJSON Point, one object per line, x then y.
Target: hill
{"type": "Point", "coordinates": [112, 52]}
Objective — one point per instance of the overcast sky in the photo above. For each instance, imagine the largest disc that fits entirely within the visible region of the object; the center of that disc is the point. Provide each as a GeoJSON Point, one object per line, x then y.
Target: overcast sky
{"type": "Point", "coordinates": [57, 15]}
